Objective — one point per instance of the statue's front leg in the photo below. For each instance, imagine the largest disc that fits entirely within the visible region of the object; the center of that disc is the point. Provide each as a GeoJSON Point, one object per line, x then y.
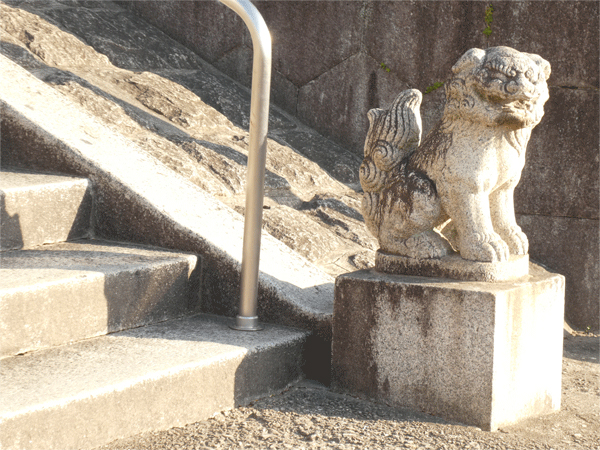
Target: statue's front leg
{"type": "Point", "coordinates": [471, 214]}
{"type": "Point", "coordinates": [502, 212]}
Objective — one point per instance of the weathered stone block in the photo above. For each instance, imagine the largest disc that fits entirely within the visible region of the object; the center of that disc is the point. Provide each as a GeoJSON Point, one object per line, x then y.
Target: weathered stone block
{"type": "Point", "coordinates": [41, 209]}
{"type": "Point", "coordinates": [208, 28]}
{"type": "Point", "coordinates": [571, 247]}
{"type": "Point", "coordinates": [485, 354]}
{"type": "Point", "coordinates": [359, 83]}
{"type": "Point", "coordinates": [342, 87]}
{"type": "Point", "coordinates": [315, 48]}
{"type": "Point", "coordinates": [60, 293]}
{"type": "Point", "coordinates": [146, 379]}
{"type": "Point", "coordinates": [570, 43]}
{"type": "Point", "coordinates": [420, 41]}
{"type": "Point", "coordinates": [560, 177]}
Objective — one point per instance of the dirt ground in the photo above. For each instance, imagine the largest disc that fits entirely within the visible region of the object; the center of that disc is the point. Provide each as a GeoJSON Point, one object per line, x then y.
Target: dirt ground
{"type": "Point", "coordinates": [309, 416]}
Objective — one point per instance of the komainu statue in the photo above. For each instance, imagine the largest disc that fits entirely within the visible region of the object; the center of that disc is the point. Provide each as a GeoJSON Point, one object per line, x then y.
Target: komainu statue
{"type": "Point", "coordinates": [462, 177]}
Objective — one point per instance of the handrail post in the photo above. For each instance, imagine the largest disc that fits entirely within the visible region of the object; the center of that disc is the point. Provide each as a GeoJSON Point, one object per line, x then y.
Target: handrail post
{"type": "Point", "coordinates": [247, 318]}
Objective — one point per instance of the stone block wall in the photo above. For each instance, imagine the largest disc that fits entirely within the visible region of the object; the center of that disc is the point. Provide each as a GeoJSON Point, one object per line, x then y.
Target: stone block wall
{"type": "Point", "coordinates": [335, 60]}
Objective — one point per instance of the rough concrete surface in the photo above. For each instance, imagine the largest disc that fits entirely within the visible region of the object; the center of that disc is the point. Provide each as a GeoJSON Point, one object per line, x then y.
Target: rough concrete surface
{"type": "Point", "coordinates": [309, 416]}
{"type": "Point", "coordinates": [148, 378]}
{"type": "Point", "coordinates": [59, 293]}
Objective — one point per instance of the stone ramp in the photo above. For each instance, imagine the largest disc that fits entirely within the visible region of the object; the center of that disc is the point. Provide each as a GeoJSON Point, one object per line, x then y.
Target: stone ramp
{"type": "Point", "coordinates": [156, 377]}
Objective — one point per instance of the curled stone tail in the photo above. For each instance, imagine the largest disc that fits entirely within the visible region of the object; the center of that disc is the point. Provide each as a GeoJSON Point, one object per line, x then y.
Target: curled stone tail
{"type": "Point", "coordinates": [393, 135]}
{"type": "Point", "coordinates": [399, 126]}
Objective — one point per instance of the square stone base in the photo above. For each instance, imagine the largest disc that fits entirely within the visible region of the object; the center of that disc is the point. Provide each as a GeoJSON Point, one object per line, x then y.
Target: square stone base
{"type": "Point", "coordinates": [484, 354]}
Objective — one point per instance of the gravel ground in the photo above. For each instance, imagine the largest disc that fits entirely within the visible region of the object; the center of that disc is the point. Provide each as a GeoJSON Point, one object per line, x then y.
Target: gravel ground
{"type": "Point", "coordinates": [310, 416]}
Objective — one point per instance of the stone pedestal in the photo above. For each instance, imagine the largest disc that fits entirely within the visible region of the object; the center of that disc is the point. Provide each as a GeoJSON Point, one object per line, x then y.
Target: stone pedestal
{"type": "Point", "coordinates": [484, 354]}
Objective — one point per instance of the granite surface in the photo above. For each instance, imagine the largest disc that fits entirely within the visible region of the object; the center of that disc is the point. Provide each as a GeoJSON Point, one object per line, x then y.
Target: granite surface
{"type": "Point", "coordinates": [484, 354]}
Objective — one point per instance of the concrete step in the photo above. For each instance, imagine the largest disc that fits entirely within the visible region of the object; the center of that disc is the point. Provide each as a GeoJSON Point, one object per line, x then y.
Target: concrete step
{"type": "Point", "coordinates": [64, 292]}
{"type": "Point", "coordinates": [89, 393]}
{"type": "Point", "coordinates": [39, 209]}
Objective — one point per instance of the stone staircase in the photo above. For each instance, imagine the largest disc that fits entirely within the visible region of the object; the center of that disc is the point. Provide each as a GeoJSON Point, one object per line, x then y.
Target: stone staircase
{"type": "Point", "coordinates": [121, 275]}
{"type": "Point", "coordinates": [100, 340]}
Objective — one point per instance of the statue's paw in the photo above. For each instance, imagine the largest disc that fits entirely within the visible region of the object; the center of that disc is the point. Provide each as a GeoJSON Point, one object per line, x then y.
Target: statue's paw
{"type": "Point", "coordinates": [485, 247]}
{"type": "Point", "coordinates": [517, 242]}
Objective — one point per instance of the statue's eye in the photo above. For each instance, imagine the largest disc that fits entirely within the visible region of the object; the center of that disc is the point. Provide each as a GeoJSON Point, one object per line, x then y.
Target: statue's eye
{"type": "Point", "coordinates": [529, 74]}
{"type": "Point", "coordinates": [497, 76]}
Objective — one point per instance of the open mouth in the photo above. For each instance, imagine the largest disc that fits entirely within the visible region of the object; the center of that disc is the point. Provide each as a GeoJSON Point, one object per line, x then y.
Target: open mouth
{"type": "Point", "coordinates": [518, 107]}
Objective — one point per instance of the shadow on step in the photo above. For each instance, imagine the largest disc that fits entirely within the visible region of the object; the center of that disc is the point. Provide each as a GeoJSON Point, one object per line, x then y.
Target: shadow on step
{"type": "Point", "coordinates": [10, 231]}
{"type": "Point", "coordinates": [40, 208]}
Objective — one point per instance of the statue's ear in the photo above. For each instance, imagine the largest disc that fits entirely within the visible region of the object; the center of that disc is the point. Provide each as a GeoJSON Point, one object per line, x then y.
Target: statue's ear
{"type": "Point", "coordinates": [544, 65]}
{"type": "Point", "coordinates": [469, 60]}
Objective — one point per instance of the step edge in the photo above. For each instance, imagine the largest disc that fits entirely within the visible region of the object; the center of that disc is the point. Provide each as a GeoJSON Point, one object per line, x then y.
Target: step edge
{"type": "Point", "coordinates": [91, 275]}
{"type": "Point", "coordinates": [122, 386]}
{"type": "Point", "coordinates": [77, 183]}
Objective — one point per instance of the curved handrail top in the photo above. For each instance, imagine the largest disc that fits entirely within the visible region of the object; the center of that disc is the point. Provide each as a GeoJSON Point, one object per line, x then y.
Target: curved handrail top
{"type": "Point", "coordinates": [261, 37]}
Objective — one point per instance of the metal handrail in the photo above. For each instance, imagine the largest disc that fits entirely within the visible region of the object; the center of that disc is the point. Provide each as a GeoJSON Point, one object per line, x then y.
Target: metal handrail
{"type": "Point", "coordinates": [247, 318]}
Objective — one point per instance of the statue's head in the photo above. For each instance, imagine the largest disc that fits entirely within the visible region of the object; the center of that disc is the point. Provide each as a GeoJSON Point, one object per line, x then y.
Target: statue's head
{"type": "Point", "coordinates": [499, 86]}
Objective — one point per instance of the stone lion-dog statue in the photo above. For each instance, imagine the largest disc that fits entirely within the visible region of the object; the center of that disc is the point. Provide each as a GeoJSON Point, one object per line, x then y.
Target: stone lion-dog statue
{"type": "Point", "coordinates": [462, 177]}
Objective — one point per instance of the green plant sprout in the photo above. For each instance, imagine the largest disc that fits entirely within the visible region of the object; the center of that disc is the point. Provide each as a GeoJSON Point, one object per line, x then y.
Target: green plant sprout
{"type": "Point", "coordinates": [488, 18]}
{"type": "Point", "coordinates": [385, 67]}
{"type": "Point", "coordinates": [434, 86]}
